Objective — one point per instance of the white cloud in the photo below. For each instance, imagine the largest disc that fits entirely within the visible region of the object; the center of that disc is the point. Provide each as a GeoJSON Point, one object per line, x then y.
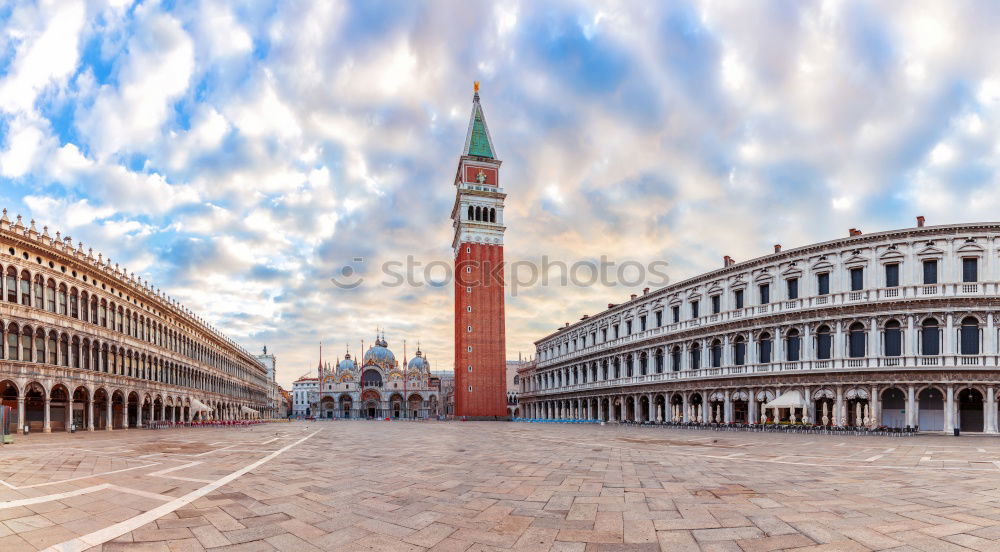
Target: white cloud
{"type": "Point", "coordinates": [47, 53]}
{"type": "Point", "coordinates": [155, 70]}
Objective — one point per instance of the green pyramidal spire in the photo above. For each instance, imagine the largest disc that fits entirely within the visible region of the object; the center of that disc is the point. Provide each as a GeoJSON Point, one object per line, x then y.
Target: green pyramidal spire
{"type": "Point", "coordinates": [477, 141]}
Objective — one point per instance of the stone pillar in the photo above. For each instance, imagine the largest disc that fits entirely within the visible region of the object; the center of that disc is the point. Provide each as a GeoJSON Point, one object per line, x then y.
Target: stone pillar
{"type": "Point", "coordinates": [47, 426]}
{"type": "Point", "coordinates": [752, 414]}
{"type": "Point", "coordinates": [911, 339]}
{"type": "Point", "coordinates": [949, 338]}
{"type": "Point", "coordinates": [949, 406]}
{"type": "Point", "coordinates": [68, 417]}
{"type": "Point", "coordinates": [90, 414]}
{"type": "Point", "coordinates": [138, 414]}
{"type": "Point", "coordinates": [163, 411]}
{"type": "Point", "coordinates": [600, 409]}
{"type": "Point", "coordinates": [989, 411]}
{"type": "Point", "coordinates": [727, 408]}
{"type": "Point", "coordinates": [839, 413]}
{"type": "Point", "coordinates": [651, 412]}
{"type": "Point", "coordinates": [876, 406]}
{"type": "Point", "coordinates": [20, 415]}
{"type": "Point", "coordinates": [685, 408]}
{"type": "Point", "coordinates": [109, 420]}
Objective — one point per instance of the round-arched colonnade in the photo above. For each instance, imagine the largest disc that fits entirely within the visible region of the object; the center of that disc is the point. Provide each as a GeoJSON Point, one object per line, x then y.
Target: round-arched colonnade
{"type": "Point", "coordinates": [896, 329]}
{"type": "Point", "coordinates": [86, 344]}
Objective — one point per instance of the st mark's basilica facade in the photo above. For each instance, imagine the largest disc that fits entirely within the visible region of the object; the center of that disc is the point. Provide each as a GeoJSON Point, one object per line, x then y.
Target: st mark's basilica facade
{"type": "Point", "coordinates": [378, 386]}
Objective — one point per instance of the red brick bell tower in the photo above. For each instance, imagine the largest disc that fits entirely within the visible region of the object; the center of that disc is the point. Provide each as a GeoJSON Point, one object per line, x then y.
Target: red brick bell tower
{"type": "Point", "coordinates": [480, 347]}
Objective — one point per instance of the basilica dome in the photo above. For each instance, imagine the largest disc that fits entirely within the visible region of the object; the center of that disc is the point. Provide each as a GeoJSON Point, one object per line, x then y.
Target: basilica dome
{"type": "Point", "coordinates": [418, 362]}
{"type": "Point", "coordinates": [346, 364]}
{"type": "Point", "coordinates": [380, 354]}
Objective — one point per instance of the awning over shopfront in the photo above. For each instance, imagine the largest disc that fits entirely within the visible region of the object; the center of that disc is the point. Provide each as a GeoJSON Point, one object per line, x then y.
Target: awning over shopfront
{"type": "Point", "coordinates": [198, 406]}
{"type": "Point", "coordinates": [788, 399]}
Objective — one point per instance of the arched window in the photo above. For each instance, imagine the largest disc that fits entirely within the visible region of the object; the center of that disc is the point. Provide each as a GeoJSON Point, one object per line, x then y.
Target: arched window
{"type": "Point", "coordinates": [793, 346]}
{"type": "Point", "coordinates": [856, 340]}
{"type": "Point", "coordinates": [11, 284]}
{"type": "Point", "coordinates": [53, 348]}
{"type": "Point", "coordinates": [50, 295]}
{"type": "Point", "coordinates": [893, 339]}
{"type": "Point", "coordinates": [493, 215]}
{"type": "Point", "coordinates": [62, 300]}
{"type": "Point", "coordinates": [695, 356]}
{"type": "Point", "coordinates": [740, 351]}
{"type": "Point", "coordinates": [824, 343]}
{"type": "Point", "coordinates": [659, 361]}
{"type": "Point", "coordinates": [930, 338]}
{"type": "Point", "coordinates": [764, 348]}
{"type": "Point", "coordinates": [25, 288]}
{"type": "Point", "coordinates": [64, 350]}
{"type": "Point", "coordinates": [628, 366]}
{"type": "Point", "coordinates": [969, 336]}
{"type": "Point", "coordinates": [643, 364]}
{"type": "Point", "coordinates": [479, 213]}
{"type": "Point", "coordinates": [617, 368]}
{"type": "Point", "coordinates": [74, 307]}
{"type": "Point", "coordinates": [470, 214]}
{"type": "Point", "coordinates": [716, 354]}
{"type": "Point", "coordinates": [40, 345]}
{"type": "Point", "coordinates": [93, 309]}
{"type": "Point", "coordinates": [12, 333]}
{"type": "Point", "coordinates": [675, 359]}
{"type": "Point", "coordinates": [39, 292]}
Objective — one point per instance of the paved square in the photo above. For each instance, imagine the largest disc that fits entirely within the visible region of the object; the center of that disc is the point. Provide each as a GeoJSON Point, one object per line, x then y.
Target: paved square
{"type": "Point", "coordinates": [495, 486]}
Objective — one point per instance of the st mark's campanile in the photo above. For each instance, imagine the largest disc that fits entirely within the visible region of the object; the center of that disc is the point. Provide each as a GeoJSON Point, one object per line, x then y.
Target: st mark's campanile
{"type": "Point", "coordinates": [480, 355]}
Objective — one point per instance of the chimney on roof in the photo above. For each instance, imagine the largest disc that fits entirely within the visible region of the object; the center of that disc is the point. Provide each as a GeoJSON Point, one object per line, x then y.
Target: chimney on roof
{"type": "Point", "coordinates": [727, 261]}
{"type": "Point", "coordinates": [920, 221]}
{"type": "Point", "coordinates": [645, 291]}
{"type": "Point", "coordinates": [854, 232]}
{"type": "Point", "coordinates": [566, 324]}
{"type": "Point", "coordinates": [631, 297]}
{"type": "Point", "coordinates": [777, 248]}
{"type": "Point", "coordinates": [611, 305]}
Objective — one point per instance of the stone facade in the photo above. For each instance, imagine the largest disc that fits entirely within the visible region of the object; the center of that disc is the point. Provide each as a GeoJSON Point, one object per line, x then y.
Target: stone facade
{"type": "Point", "coordinates": [376, 387]}
{"type": "Point", "coordinates": [87, 345]}
{"type": "Point", "coordinates": [896, 328]}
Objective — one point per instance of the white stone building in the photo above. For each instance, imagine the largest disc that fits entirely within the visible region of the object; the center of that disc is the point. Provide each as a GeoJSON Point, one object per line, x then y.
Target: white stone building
{"type": "Point", "coordinates": [894, 328]}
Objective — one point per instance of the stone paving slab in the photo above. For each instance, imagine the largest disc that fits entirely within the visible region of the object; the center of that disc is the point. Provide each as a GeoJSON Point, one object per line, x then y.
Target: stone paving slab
{"type": "Point", "coordinates": [475, 486]}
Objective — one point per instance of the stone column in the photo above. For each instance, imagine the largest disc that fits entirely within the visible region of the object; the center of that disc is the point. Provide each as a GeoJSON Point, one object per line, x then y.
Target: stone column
{"type": "Point", "coordinates": [109, 420]}
{"type": "Point", "coordinates": [838, 407]}
{"type": "Point", "coordinates": [20, 415]}
{"type": "Point", "coordinates": [47, 426]}
{"type": "Point", "coordinates": [685, 408]}
{"type": "Point", "coordinates": [949, 406]}
{"type": "Point", "coordinates": [600, 409]}
{"type": "Point", "coordinates": [138, 414]}
{"type": "Point", "coordinates": [727, 408]}
{"type": "Point", "coordinates": [163, 411]}
{"type": "Point", "coordinates": [90, 414]}
{"type": "Point", "coordinates": [911, 340]}
{"type": "Point", "coordinates": [989, 411]}
{"type": "Point", "coordinates": [949, 336]}
{"type": "Point", "coordinates": [876, 406]}
{"type": "Point", "coordinates": [68, 416]}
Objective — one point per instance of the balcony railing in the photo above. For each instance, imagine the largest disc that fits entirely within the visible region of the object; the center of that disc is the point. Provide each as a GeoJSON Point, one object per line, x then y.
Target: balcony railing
{"type": "Point", "coordinates": [982, 362]}
{"type": "Point", "coordinates": [893, 293]}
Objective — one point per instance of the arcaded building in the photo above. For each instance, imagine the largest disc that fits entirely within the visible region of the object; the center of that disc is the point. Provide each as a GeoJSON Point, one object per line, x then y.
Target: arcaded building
{"type": "Point", "coordinates": [894, 328]}
{"type": "Point", "coordinates": [86, 344]}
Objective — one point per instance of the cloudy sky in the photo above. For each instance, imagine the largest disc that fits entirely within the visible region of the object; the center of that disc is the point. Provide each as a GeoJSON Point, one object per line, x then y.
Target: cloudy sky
{"type": "Point", "coordinates": [239, 155]}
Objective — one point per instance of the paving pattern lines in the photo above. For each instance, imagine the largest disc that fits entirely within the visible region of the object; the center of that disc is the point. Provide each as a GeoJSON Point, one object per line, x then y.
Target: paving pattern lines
{"type": "Point", "coordinates": [501, 486]}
